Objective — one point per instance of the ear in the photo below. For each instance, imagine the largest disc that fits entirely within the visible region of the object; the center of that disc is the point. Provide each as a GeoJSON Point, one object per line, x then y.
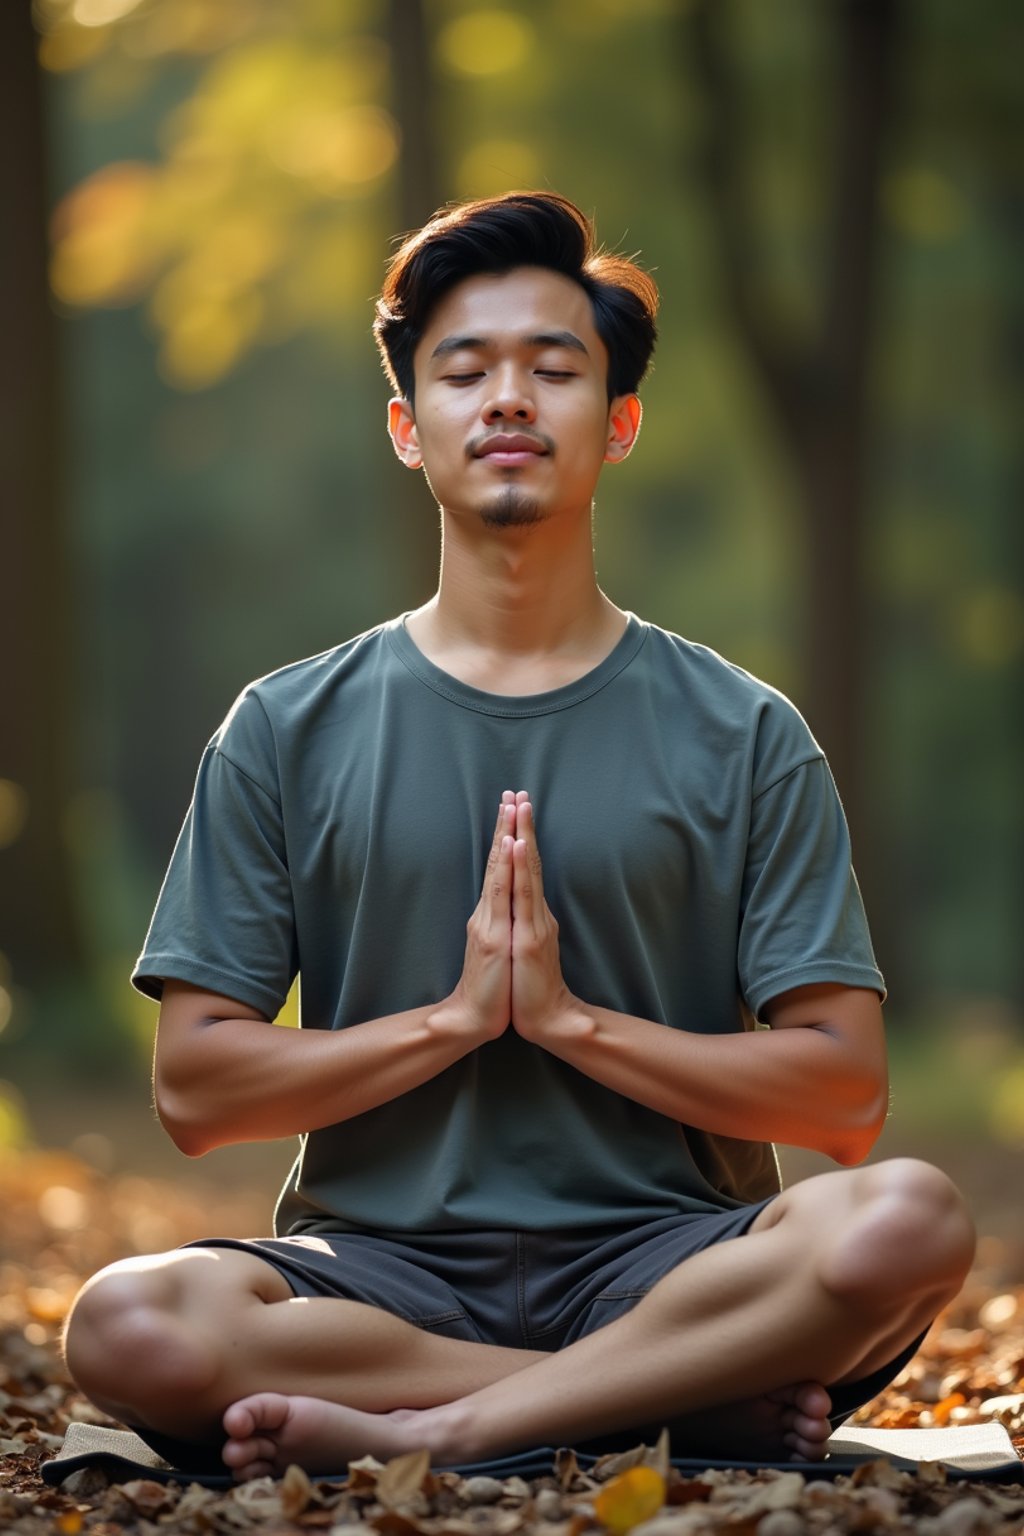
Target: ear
{"type": "Point", "coordinates": [624, 418]}
{"type": "Point", "coordinates": [402, 431]}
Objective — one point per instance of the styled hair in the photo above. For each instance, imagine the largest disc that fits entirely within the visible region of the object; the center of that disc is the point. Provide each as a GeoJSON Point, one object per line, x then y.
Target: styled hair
{"type": "Point", "coordinates": [495, 235]}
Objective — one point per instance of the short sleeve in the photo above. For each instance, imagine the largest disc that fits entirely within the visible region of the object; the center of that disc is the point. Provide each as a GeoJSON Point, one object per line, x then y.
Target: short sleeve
{"type": "Point", "coordinates": [224, 919]}
{"type": "Point", "coordinates": [802, 917]}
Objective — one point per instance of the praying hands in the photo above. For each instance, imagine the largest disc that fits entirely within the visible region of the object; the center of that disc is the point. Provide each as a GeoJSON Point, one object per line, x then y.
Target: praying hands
{"type": "Point", "coordinates": [512, 973]}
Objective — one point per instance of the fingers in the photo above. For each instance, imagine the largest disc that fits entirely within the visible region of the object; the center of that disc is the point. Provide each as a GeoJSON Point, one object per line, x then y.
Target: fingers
{"type": "Point", "coordinates": [504, 827]}
{"type": "Point", "coordinates": [528, 878]}
{"type": "Point", "coordinates": [522, 885]}
{"type": "Point", "coordinates": [497, 896]}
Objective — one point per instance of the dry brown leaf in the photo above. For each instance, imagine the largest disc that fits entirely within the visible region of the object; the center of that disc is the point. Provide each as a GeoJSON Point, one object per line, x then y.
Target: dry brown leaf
{"type": "Point", "coordinates": [404, 1479]}
{"type": "Point", "coordinates": [397, 1522]}
{"type": "Point", "coordinates": [195, 1498]}
{"type": "Point", "coordinates": [363, 1474]}
{"type": "Point", "coordinates": [296, 1492]}
{"type": "Point", "coordinates": [879, 1473]}
{"type": "Point", "coordinates": [617, 1461]}
{"type": "Point", "coordinates": [567, 1468]}
{"type": "Point", "coordinates": [682, 1522]}
{"type": "Point", "coordinates": [786, 1491]}
{"type": "Point", "coordinates": [258, 1499]}
{"type": "Point", "coordinates": [149, 1498]}
{"type": "Point", "coordinates": [688, 1490]}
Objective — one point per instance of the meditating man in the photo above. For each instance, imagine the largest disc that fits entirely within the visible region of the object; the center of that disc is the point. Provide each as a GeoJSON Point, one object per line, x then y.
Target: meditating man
{"type": "Point", "coordinates": [578, 936]}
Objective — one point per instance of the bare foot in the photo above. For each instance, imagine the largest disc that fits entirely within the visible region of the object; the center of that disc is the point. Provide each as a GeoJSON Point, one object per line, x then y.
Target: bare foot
{"type": "Point", "coordinates": [788, 1425]}
{"type": "Point", "coordinates": [267, 1432]}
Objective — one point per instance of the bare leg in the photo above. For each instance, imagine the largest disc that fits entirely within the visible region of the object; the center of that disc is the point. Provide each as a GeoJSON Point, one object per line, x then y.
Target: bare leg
{"type": "Point", "coordinates": [268, 1431]}
{"type": "Point", "coordinates": [169, 1342]}
{"type": "Point", "coordinates": [834, 1279]}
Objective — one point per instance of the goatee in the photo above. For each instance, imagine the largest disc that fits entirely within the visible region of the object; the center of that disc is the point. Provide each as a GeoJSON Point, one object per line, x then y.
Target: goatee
{"type": "Point", "coordinates": [513, 509]}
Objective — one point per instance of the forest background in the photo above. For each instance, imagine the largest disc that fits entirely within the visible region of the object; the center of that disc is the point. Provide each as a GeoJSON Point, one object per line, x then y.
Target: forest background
{"type": "Point", "coordinates": [197, 488]}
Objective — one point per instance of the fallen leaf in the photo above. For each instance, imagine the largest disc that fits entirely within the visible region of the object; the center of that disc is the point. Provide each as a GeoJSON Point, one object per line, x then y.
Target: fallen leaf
{"type": "Point", "coordinates": [402, 1479]}
{"type": "Point", "coordinates": [688, 1490]}
{"type": "Point", "coordinates": [363, 1474]}
{"type": "Point", "coordinates": [566, 1468]}
{"type": "Point", "coordinates": [785, 1491]}
{"type": "Point", "coordinates": [942, 1411]}
{"type": "Point", "coordinates": [629, 1499]}
{"type": "Point", "coordinates": [296, 1492]}
{"type": "Point", "coordinates": [398, 1522]}
{"type": "Point", "coordinates": [618, 1461]}
{"type": "Point", "coordinates": [148, 1498]}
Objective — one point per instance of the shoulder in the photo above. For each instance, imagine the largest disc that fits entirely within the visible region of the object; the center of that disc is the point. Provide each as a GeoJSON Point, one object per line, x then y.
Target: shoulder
{"type": "Point", "coordinates": [287, 704]}
{"type": "Point", "coordinates": [729, 707]}
{"type": "Point", "coordinates": [301, 687]}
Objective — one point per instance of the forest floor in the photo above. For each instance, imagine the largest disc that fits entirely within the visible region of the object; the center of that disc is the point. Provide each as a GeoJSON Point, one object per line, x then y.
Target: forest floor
{"type": "Point", "coordinates": [67, 1212]}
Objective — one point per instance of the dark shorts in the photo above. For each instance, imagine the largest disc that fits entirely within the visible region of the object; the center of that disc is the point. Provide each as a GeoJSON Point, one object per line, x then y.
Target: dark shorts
{"type": "Point", "coordinates": [524, 1290]}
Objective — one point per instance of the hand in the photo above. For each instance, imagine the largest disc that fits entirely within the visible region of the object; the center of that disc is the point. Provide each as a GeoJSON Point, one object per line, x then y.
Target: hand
{"type": "Point", "coordinates": [482, 997]}
{"type": "Point", "coordinates": [539, 993]}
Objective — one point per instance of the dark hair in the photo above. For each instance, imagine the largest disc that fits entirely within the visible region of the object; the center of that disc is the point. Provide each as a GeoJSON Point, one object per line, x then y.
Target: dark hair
{"type": "Point", "coordinates": [496, 234]}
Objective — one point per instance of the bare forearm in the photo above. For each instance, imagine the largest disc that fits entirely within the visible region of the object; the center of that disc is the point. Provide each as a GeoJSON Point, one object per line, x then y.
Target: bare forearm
{"type": "Point", "coordinates": [242, 1079]}
{"type": "Point", "coordinates": [224, 1074]}
{"type": "Point", "coordinates": [804, 1087]}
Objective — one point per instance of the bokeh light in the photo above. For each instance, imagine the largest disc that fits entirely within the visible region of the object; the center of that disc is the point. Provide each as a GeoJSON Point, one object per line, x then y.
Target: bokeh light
{"type": "Point", "coordinates": [485, 42]}
{"type": "Point", "coordinates": [13, 811]}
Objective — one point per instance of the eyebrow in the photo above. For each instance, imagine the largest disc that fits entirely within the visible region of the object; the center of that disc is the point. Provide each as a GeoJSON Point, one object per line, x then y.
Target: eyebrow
{"type": "Point", "coordinates": [452, 344]}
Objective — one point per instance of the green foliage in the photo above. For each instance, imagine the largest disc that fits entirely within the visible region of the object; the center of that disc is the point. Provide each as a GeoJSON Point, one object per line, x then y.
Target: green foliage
{"type": "Point", "coordinates": [234, 502]}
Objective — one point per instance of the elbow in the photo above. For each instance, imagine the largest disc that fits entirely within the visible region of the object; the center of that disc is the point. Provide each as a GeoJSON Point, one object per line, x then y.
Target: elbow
{"type": "Point", "coordinates": [188, 1131]}
{"type": "Point", "coordinates": [851, 1143]}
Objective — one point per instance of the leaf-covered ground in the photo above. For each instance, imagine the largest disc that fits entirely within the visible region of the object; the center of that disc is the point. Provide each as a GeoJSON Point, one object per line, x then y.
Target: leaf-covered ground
{"type": "Point", "coordinates": [62, 1220]}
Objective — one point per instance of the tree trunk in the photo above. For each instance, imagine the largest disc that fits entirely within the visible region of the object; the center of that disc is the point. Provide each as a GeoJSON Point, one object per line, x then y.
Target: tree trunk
{"type": "Point", "coordinates": [414, 106]}
{"type": "Point", "coordinates": [39, 932]}
{"type": "Point", "coordinates": [818, 392]}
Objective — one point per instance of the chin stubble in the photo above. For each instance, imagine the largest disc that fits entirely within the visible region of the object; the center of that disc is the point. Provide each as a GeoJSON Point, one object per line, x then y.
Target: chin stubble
{"type": "Point", "coordinates": [513, 509]}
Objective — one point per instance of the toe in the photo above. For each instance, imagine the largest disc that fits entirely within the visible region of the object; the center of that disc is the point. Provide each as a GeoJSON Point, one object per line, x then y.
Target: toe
{"type": "Point", "coordinates": [810, 1398]}
{"type": "Point", "coordinates": [239, 1453]}
{"type": "Point", "coordinates": [266, 1411]}
{"type": "Point", "coordinates": [814, 1429]}
{"type": "Point", "coordinates": [238, 1421]}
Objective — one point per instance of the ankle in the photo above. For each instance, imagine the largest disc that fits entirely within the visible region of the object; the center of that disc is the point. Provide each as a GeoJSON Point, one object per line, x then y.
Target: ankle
{"type": "Point", "coordinates": [450, 1433]}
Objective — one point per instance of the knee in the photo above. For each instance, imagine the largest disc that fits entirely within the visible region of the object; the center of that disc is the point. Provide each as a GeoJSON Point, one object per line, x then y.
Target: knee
{"type": "Point", "coordinates": [125, 1339]}
{"type": "Point", "coordinates": [907, 1234]}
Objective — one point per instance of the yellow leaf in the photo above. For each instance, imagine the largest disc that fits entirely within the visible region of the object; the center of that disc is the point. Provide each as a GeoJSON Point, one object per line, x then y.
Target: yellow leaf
{"type": "Point", "coordinates": [70, 1522]}
{"type": "Point", "coordinates": [630, 1498]}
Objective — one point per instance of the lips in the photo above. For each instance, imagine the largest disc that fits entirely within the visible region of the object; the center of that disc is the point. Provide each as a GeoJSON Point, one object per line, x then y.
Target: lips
{"type": "Point", "coordinates": [510, 445]}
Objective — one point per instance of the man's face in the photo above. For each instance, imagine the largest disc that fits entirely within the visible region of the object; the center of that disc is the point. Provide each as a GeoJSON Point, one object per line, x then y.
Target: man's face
{"type": "Point", "coordinates": [512, 420]}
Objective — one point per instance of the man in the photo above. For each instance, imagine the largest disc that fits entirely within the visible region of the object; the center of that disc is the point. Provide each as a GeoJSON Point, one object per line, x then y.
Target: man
{"type": "Point", "coordinates": [536, 1200]}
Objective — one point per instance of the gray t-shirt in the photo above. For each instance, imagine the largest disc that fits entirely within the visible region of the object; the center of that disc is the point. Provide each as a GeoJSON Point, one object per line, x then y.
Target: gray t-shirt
{"type": "Point", "coordinates": [695, 855]}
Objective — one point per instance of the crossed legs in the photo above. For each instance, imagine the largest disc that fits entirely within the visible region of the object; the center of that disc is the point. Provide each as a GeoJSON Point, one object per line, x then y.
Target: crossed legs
{"type": "Point", "coordinates": [832, 1281]}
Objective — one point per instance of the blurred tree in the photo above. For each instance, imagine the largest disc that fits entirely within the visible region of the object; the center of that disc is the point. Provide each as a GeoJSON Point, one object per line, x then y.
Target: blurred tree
{"type": "Point", "coordinates": [413, 97]}
{"type": "Point", "coordinates": [816, 383]}
{"type": "Point", "coordinates": [232, 170]}
{"type": "Point", "coordinates": [39, 933]}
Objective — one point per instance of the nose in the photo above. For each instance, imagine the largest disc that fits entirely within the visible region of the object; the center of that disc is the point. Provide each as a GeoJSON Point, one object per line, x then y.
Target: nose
{"type": "Point", "coordinates": [510, 397]}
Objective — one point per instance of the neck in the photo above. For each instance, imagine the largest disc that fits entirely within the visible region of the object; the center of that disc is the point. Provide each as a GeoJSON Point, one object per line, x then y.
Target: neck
{"type": "Point", "coordinates": [519, 604]}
